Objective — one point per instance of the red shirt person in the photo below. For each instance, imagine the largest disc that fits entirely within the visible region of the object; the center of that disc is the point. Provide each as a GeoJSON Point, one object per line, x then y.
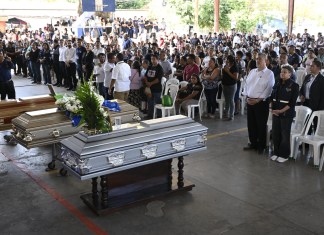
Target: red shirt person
{"type": "Point", "coordinates": [191, 68]}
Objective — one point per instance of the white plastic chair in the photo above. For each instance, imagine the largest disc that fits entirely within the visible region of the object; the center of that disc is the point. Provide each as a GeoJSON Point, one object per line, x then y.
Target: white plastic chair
{"type": "Point", "coordinates": [298, 127]}
{"type": "Point", "coordinates": [300, 76]}
{"type": "Point", "coordinates": [220, 102]}
{"type": "Point", "coordinates": [269, 129]}
{"type": "Point", "coordinates": [173, 89]}
{"type": "Point", "coordinates": [173, 71]}
{"type": "Point", "coordinates": [183, 84]}
{"type": "Point", "coordinates": [242, 97]}
{"type": "Point", "coordinates": [163, 82]}
{"type": "Point", "coordinates": [191, 107]}
{"type": "Point", "coordinates": [171, 81]}
{"type": "Point", "coordinates": [315, 140]}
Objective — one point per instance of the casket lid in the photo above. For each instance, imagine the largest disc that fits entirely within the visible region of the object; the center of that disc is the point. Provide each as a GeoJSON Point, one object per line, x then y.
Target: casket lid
{"type": "Point", "coordinates": [88, 145]}
{"type": "Point", "coordinates": [37, 99]}
{"type": "Point", "coordinates": [41, 118]}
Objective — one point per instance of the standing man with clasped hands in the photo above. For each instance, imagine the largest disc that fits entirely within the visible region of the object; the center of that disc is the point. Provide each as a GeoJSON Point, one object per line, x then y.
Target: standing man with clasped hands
{"type": "Point", "coordinates": [258, 88]}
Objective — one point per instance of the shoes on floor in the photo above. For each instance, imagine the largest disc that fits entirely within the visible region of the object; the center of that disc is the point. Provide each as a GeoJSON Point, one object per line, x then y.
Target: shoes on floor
{"type": "Point", "coordinates": [274, 157]}
{"type": "Point", "coordinates": [206, 115]}
{"type": "Point", "coordinates": [211, 115]}
{"type": "Point", "coordinates": [281, 159]}
{"type": "Point", "coordinates": [34, 82]}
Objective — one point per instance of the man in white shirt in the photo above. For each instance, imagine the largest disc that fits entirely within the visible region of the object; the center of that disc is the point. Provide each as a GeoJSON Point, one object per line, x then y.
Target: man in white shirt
{"type": "Point", "coordinates": [63, 76]}
{"type": "Point", "coordinates": [108, 67]}
{"type": "Point", "coordinates": [258, 88]}
{"type": "Point", "coordinates": [236, 39]}
{"type": "Point", "coordinates": [70, 59]}
{"type": "Point", "coordinates": [120, 79]}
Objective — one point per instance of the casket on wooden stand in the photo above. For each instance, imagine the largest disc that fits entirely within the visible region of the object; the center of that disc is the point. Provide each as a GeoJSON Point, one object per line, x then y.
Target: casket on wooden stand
{"type": "Point", "coordinates": [133, 163]}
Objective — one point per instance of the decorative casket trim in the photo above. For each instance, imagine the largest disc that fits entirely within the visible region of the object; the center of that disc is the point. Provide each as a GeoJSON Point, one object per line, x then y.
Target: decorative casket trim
{"type": "Point", "coordinates": [149, 151]}
{"type": "Point", "coordinates": [202, 139]}
{"type": "Point", "coordinates": [71, 160]}
{"type": "Point", "coordinates": [116, 159]}
{"type": "Point", "coordinates": [56, 133]}
{"type": "Point", "coordinates": [179, 144]}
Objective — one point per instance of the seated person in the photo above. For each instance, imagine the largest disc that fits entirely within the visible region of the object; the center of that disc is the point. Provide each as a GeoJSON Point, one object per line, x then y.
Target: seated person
{"type": "Point", "coordinates": [180, 66]}
{"type": "Point", "coordinates": [189, 94]}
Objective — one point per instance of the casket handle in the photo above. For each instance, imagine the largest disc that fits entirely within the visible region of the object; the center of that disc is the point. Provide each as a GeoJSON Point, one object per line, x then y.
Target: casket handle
{"type": "Point", "coordinates": [28, 138]}
{"type": "Point", "coordinates": [56, 133]}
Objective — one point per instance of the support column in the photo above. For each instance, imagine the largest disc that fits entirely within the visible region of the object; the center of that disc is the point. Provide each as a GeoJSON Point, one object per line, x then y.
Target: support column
{"type": "Point", "coordinates": [216, 16]}
{"type": "Point", "coordinates": [196, 15]}
{"type": "Point", "coordinates": [291, 15]}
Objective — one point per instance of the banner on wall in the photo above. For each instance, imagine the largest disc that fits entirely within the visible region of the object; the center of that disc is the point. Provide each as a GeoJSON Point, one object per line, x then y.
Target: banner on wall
{"type": "Point", "coordinates": [99, 5]}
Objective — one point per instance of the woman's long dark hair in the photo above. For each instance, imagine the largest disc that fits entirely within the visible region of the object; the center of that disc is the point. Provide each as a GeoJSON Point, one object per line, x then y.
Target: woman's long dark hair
{"type": "Point", "coordinates": [136, 65]}
{"type": "Point", "coordinates": [198, 79]}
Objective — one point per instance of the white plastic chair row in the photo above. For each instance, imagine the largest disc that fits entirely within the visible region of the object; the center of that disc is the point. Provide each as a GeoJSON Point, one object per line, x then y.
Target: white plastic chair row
{"type": "Point", "coordinates": [316, 140]}
{"type": "Point", "coordinates": [298, 127]}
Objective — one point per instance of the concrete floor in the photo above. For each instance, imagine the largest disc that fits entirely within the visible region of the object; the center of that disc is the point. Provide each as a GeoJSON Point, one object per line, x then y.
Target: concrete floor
{"type": "Point", "coordinates": [236, 192]}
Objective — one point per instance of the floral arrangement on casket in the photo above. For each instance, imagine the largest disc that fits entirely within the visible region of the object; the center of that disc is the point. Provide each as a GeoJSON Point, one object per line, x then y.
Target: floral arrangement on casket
{"type": "Point", "coordinates": [85, 109]}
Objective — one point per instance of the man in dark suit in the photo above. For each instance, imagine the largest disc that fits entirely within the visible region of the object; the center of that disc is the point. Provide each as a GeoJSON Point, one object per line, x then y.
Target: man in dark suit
{"type": "Point", "coordinates": [312, 90]}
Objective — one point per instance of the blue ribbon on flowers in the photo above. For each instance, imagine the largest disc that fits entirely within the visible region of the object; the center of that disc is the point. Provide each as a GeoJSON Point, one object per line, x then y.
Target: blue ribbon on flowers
{"type": "Point", "coordinates": [111, 105]}
{"type": "Point", "coordinates": [76, 120]}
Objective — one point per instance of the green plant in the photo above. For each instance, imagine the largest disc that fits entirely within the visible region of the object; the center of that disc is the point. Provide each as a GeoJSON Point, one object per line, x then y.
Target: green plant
{"type": "Point", "coordinates": [92, 113]}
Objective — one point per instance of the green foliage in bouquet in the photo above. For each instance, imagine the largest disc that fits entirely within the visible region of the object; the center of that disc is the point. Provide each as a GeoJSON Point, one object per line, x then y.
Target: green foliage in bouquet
{"type": "Point", "coordinates": [93, 116]}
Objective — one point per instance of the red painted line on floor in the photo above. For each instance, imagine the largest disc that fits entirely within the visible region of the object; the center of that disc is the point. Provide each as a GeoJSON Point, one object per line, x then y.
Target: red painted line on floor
{"type": "Point", "coordinates": [87, 222]}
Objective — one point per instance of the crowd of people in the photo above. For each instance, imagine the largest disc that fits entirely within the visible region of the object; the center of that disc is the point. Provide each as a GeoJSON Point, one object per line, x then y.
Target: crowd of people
{"type": "Point", "coordinates": [129, 62]}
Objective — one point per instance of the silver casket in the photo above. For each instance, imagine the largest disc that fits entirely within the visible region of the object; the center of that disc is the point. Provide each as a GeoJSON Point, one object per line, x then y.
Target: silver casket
{"type": "Point", "coordinates": [136, 145]}
{"type": "Point", "coordinates": [49, 126]}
